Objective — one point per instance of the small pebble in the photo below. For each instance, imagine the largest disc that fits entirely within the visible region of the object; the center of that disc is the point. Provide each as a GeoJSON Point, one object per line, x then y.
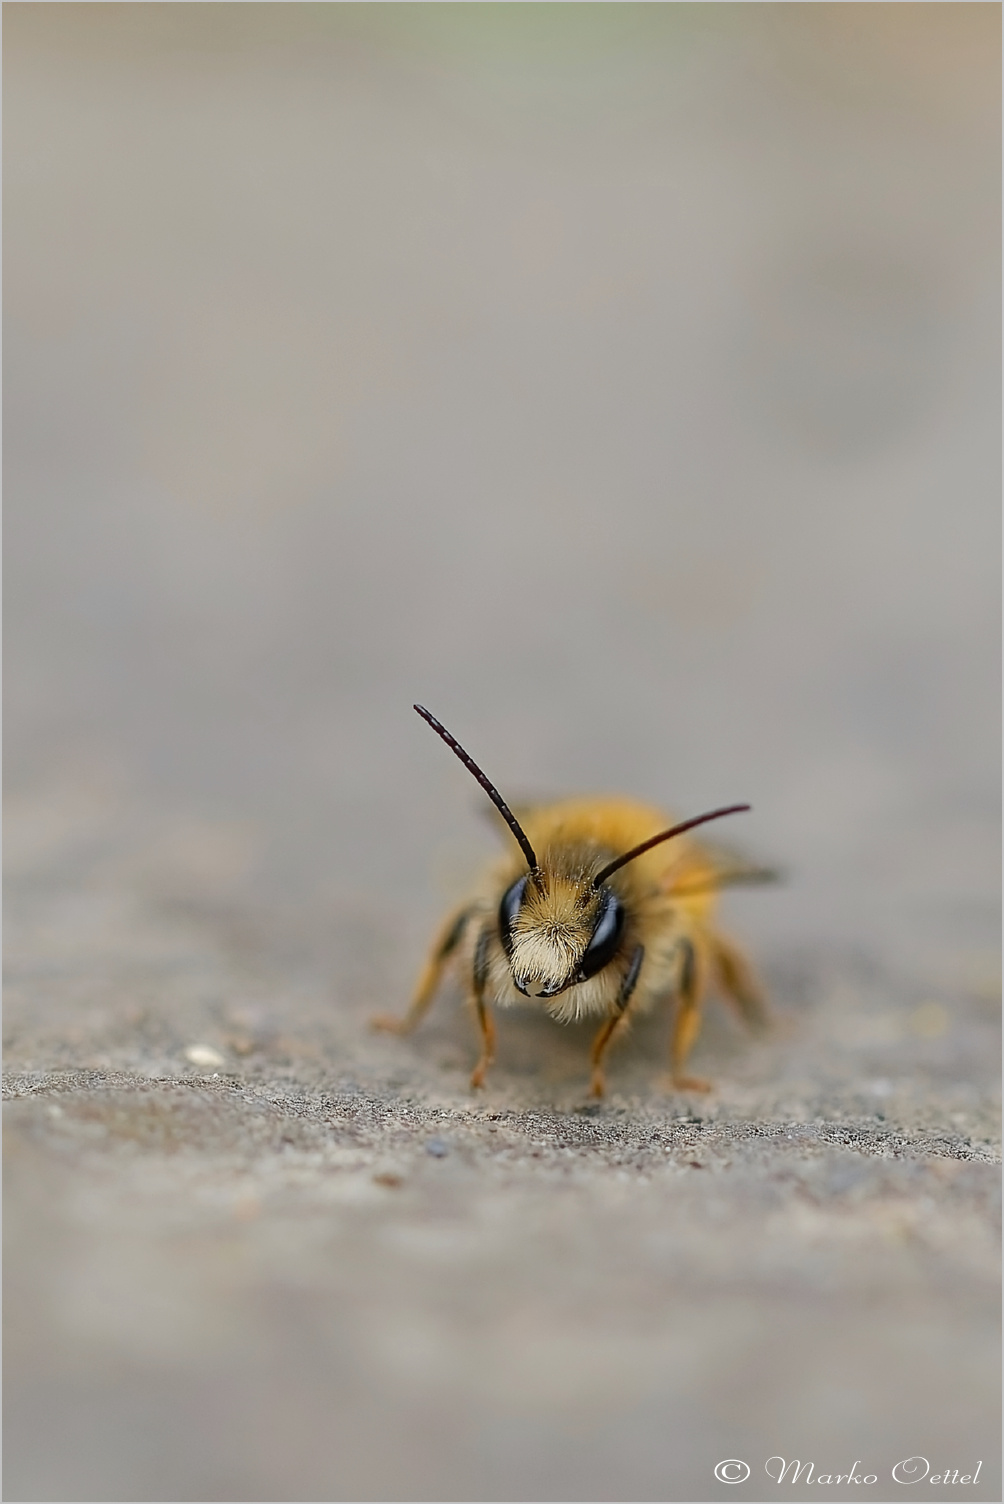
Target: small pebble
{"type": "Point", "coordinates": [204, 1055]}
{"type": "Point", "coordinates": [437, 1147]}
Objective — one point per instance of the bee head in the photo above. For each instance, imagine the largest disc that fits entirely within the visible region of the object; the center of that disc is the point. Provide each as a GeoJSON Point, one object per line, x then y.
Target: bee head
{"type": "Point", "coordinates": [559, 928]}
{"type": "Point", "coordinates": [557, 931]}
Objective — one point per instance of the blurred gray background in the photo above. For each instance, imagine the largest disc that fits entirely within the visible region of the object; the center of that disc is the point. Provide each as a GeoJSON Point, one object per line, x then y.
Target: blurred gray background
{"type": "Point", "coordinates": [622, 382]}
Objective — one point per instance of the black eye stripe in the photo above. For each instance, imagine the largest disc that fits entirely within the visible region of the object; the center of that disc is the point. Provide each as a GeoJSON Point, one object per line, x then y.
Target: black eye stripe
{"type": "Point", "coordinates": [508, 909]}
{"type": "Point", "coordinates": [605, 939]}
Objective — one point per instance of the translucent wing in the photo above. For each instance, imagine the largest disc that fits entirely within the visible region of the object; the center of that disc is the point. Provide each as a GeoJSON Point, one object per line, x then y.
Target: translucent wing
{"type": "Point", "coordinates": [712, 867]}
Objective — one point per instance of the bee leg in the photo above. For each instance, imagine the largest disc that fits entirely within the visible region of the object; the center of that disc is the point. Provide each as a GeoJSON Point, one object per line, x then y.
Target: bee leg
{"type": "Point", "coordinates": [447, 941]}
{"type": "Point", "coordinates": [614, 1024]}
{"type": "Point", "coordinates": [739, 982]}
{"type": "Point", "coordinates": [687, 1023]}
{"type": "Point", "coordinates": [485, 1021]}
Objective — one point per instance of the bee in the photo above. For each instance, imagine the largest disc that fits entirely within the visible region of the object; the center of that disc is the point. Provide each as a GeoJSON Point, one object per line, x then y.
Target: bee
{"type": "Point", "coordinates": [599, 917]}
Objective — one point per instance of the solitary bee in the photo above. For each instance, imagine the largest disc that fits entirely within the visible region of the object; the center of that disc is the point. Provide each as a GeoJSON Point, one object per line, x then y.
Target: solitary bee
{"type": "Point", "coordinates": [599, 918]}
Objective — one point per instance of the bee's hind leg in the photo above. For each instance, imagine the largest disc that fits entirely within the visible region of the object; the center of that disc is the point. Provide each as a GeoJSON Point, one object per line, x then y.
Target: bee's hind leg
{"type": "Point", "coordinates": [615, 1024]}
{"type": "Point", "coordinates": [687, 1024]}
{"type": "Point", "coordinates": [739, 983]}
{"type": "Point", "coordinates": [447, 941]}
{"type": "Point", "coordinates": [485, 1021]}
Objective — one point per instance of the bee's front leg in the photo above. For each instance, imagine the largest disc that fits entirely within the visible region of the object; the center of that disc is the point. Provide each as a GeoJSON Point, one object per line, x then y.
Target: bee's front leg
{"type": "Point", "coordinates": [616, 1022]}
{"type": "Point", "coordinates": [479, 976]}
{"type": "Point", "coordinates": [447, 941]}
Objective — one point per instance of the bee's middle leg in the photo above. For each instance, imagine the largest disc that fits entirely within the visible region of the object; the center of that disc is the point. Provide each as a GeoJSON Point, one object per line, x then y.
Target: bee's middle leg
{"type": "Point", "coordinates": [739, 983]}
{"type": "Point", "coordinates": [687, 1024]}
{"type": "Point", "coordinates": [447, 941]}
{"type": "Point", "coordinates": [615, 1024]}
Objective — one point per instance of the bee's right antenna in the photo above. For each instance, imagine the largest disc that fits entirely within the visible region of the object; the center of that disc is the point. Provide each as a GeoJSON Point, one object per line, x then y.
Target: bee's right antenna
{"type": "Point", "coordinates": [486, 784]}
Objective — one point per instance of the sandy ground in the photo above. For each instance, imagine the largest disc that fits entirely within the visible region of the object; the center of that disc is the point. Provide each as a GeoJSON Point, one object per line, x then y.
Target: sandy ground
{"type": "Point", "coordinates": [312, 1266]}
{"type": "Point", "coordinates": [621, 387]}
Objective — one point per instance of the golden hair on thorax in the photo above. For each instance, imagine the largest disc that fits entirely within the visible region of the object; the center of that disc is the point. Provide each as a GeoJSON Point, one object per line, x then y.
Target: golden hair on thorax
{"type": "Point", "coordinates": [607, 912]}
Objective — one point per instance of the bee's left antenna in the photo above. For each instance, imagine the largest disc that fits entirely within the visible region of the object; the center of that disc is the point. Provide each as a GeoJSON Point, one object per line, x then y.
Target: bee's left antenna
{"type": "Point", "coordinates": [486, 784]}
{"type": "Point", "coordinates": [664, 835]}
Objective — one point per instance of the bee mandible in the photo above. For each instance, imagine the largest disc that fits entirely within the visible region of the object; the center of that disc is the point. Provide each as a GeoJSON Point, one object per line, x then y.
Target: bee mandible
{"type": "Point", "coordinates": [599, 917]}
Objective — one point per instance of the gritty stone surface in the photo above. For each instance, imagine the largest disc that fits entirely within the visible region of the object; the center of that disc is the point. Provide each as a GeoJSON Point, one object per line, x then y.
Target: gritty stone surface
{"type": "Point", "coordinates": [616, 380]}
{"type": "Point", "coordinates": [323, 1269]}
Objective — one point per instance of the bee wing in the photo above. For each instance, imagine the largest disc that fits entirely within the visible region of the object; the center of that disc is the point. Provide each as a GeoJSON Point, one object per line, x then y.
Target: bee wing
{"type": "Point", "coordinates": [712, 867]}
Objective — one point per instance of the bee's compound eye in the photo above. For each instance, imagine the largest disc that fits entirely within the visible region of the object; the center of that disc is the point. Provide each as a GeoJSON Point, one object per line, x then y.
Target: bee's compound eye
{"type": "Point", "coordinates": [606, 936]}
{"type": "Point", "coordinates": [509, 908]}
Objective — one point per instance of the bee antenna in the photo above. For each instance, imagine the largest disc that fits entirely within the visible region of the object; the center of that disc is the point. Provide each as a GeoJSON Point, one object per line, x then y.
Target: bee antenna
{"type": "Point", "coordinates": [486, 784]}
{"type": "Point", "coordinates": [674, 830]}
